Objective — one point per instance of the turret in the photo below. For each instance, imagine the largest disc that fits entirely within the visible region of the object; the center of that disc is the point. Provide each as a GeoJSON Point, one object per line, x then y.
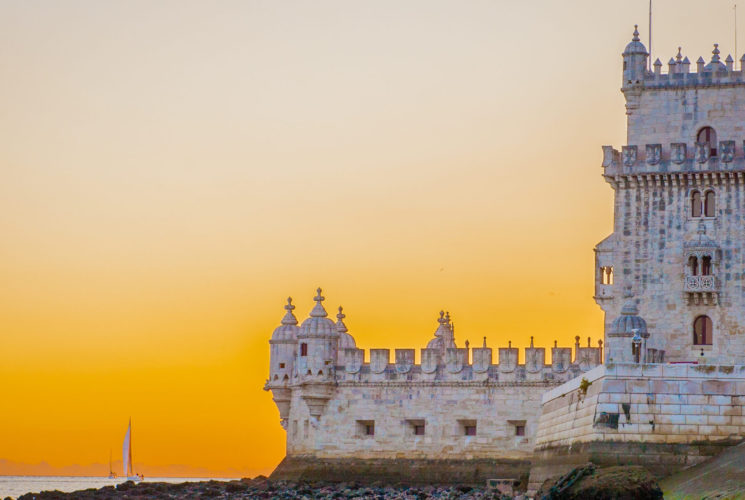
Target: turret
{"type": "Point", "coordinates": [318, 342]}
{"type": "Point", "coordinates": [634, 62]}
{"type": "Point", "coordinates": [283, 345]}
{"type": "Point", "coordinates": [623, 330]}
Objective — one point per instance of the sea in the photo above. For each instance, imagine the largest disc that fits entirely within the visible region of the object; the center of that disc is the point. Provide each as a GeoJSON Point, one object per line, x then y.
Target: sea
{"type": "Point", "coordinates": [15, 486]}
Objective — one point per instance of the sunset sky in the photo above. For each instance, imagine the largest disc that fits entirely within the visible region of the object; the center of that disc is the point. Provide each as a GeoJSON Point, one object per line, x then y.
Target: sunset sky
{"type": "Point", "coordinates": [173, 170]}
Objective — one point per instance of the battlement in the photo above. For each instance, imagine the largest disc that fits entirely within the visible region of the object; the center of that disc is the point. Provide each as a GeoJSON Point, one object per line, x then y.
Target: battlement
{"type": "Point", "coordinates": [681, 74]}
{"type": "Point", "coordinates": [727, 157]}
{"type": "Point", "coordinates": [469, 364]}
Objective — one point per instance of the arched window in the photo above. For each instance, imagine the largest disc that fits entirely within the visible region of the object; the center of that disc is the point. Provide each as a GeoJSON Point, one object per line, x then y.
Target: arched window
{"type": "Point", "coordinates": [695, 203]}
{"type": "Point", "coordinates": [709, 203]}
{"type": "Point", "coordinates": [693, 265]}
{"type": "Point", "coordinates": [706, 266]}
{"type": "Point", "coordinates": [702, 330]}
{"type": "Point", "coordinates": [606, 275]}
{"type": "Point", "coordinates": [709, 136]}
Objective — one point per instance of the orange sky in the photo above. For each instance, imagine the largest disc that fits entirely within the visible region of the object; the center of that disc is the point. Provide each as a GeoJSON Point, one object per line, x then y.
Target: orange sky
{"type": "Point", "coordinates": [173, 170]}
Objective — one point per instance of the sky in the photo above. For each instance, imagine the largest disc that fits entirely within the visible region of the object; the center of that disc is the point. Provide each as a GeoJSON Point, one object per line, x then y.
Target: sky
{"type": "Point", "coordinates": [173, 170]}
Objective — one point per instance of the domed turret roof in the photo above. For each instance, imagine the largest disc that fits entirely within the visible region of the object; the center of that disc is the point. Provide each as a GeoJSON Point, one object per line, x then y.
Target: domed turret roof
{"type": "Point", "coordinates": [635, 46]}
{"type": "Point", "coordinates": [288, 330]}
{"type": "Point", "coordinates": [318, 325]}
{"type": "Point", "coordinates": [716, 64]}
{"type": "Point", "coordinates": [629, 321]}
{"type": "Point", "coordinates": [345, 339]}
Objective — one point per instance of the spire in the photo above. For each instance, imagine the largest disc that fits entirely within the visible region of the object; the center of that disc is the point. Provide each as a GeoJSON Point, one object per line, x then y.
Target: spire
{"type": "Point", "coordinates": [715, 52]}
{"type": "Point", "coordinates": [289, 318]}
{"type": "Point", "coordinates": [340, 326]}
{"type": "Point", "coordinates": [318, 311]}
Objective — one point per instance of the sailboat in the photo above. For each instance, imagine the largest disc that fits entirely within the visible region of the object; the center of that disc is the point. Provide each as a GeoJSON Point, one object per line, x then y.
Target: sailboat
{"type": "Point", "coordinates": [112, 474]}
{"type": "Point", "coordinates": [129, 472]}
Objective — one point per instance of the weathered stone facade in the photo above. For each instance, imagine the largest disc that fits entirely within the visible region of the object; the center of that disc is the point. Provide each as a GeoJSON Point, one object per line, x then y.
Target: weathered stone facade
{"type": "Point", "coordinates": [679, 201]}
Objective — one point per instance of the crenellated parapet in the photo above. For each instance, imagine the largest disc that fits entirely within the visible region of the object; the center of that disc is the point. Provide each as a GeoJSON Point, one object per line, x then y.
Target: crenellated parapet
{"type": "Point", "coordinates": [469, 365]}
{"type": "Point", "coordinates": [694, 161]}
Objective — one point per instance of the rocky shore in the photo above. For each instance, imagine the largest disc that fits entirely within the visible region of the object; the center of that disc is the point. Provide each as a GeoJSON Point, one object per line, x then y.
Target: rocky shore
{"type": "Point", "coordinates": [261, 487]}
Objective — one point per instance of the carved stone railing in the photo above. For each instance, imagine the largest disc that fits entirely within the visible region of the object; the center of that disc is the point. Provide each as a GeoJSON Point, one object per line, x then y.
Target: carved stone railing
{"type": "Point", "coordinates": [701, 284]}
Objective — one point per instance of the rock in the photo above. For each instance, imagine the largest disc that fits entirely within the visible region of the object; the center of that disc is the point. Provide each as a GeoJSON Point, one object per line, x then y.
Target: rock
{"type": "Point", "coordinates": [612, 483]}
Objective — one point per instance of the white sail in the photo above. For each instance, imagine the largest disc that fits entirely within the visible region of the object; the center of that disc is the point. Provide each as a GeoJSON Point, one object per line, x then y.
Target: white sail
{"type": "Point", "coordinates": [126, 450]}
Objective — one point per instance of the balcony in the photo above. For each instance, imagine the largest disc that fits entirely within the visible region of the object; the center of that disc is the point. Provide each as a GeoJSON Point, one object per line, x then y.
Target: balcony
{"type": "Point", "coordinates": [701, 284]}
{"type": "Point", "coordinates": [701, 290]}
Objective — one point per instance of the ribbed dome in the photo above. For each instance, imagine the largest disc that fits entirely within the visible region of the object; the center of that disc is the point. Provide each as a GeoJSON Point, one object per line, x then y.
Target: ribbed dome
{"type": "Point", "coordinates": [318, 324]}
{"type": "Point", "coordinates": [288, 330]}
{"type": "Point", "coordinates": [635, 46]}
{"type": "Point", "coordinates": [628, 321]}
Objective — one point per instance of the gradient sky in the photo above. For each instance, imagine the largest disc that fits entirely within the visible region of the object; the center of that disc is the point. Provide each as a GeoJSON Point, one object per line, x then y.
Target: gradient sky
{"type": "Point", "coordinates": [173, 170]}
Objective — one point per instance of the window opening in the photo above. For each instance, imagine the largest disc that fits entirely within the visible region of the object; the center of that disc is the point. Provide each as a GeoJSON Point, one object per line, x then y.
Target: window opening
{"type": "Point", "coordinates": [606, 275]}
{"type": "Point", "coordinates": [709, 204]}
{"type": "Point", "coordinates": [702, 331]}
{"type": "Point", "coordinates": [695, 204]}
{"type": "Point", "coordinates": [693, 265]}
{"type": "Point", "coordinates": [303, 349]}
{"type": "Point", "coordinates": [706, 266]}
{"type": "Point", "coordinates": [519, 430]}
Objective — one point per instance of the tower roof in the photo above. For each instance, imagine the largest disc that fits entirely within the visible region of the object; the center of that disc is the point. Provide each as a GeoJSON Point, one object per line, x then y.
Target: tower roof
{"type": "Point", "coordinates": [629, 322]}
{"type": "Point", "coordinates": [318, 324]}
{"type": "Point", "coordinates": [716, 64]}
{"type": "Point", "coordinates": [635, 46]}
{"type": "Point", "coordinates": [287, 330]}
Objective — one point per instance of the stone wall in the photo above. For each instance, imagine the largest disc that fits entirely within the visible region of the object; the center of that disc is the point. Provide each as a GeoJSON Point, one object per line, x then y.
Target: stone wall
{"type": "Point", "coordinates": [662, 416]}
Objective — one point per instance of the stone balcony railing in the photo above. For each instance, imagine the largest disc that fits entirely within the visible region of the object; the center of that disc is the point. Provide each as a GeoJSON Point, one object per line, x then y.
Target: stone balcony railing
{"type": "Point", "coordinates": [701, 284]}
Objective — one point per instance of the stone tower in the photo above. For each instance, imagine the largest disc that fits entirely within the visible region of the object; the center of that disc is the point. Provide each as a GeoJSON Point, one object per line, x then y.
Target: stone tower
{"type": "Point", "coordinates": [671, 273]}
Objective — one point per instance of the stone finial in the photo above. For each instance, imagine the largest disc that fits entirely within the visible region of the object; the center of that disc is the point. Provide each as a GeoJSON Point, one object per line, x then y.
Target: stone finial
{"type": "Point", "coordinates": [679, 57]}
{"type": "Point", "coordinates": [484, 346]}
{"type": "Point", "coordinates": [447, 317]}
{"type": "Point", "coordinates": [340, 326]}
{"type": "Point", "coordinates": [576, 341]}
{"type": "Point", "coordinates": [441, 319]}
{"type": "Point", "coordinates": [556, 343]}
{"type": "Point", "coordinates": [467, 343]}
{"type": "Point", "coordinates": [600, 343]}
{"type": "Point", "coordinates": [531, 341]}
{"type": "Point", "coordinates": [318, 310]}
{"type": "Point", "coordinates": [289, 318]}
{"type": "Point", "coordinates": [589, 342]}
{"type": "Point", "coordinates": [715, 53]}
{"type": "Point", "coordinates": [636, 33]}
{"type": "Point", "coordinates": [509, 344]}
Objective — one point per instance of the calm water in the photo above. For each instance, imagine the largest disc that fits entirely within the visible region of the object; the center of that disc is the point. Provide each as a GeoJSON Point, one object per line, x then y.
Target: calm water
{"type": "Point", "coordinates": [15, 486]}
